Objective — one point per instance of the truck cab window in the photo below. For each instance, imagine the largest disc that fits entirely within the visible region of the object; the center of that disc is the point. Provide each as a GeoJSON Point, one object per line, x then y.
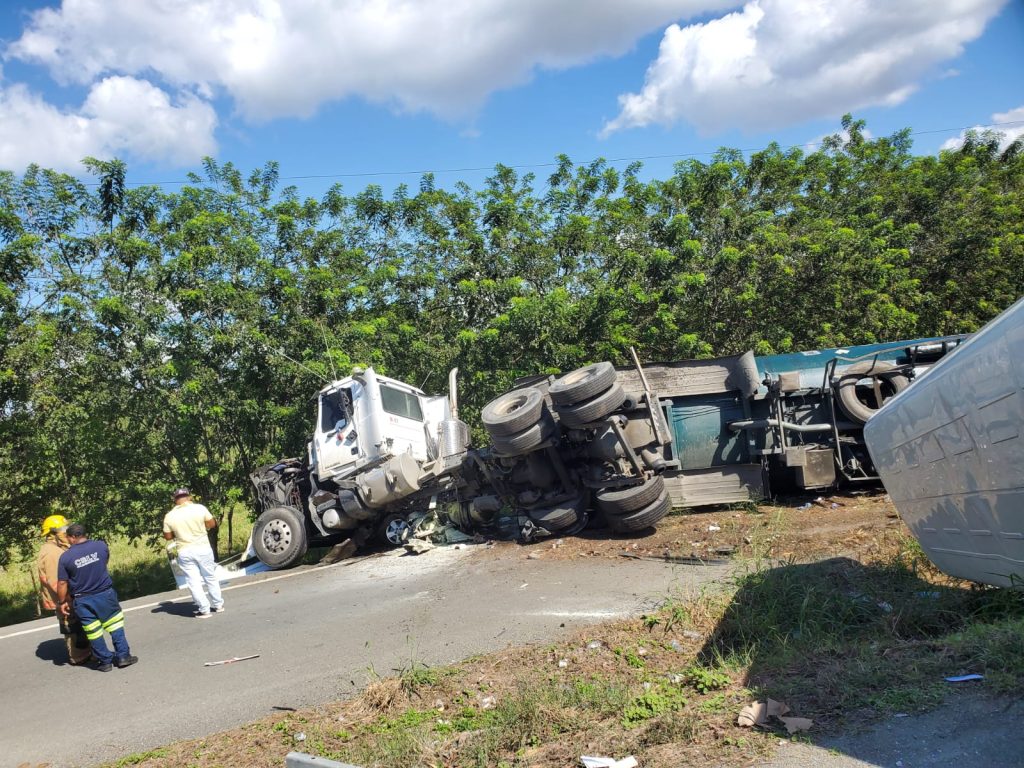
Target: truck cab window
{"type": "Point", "coordinates": [333, 411]}
{"type": "Point", "coordinates": [400, 403]}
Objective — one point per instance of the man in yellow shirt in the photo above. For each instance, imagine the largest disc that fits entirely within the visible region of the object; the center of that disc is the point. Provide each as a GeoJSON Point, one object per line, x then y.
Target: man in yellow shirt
{"type": "Point", "coordinates": [186, 525]}
{"type": "Point", "coordinates": [54, 544]}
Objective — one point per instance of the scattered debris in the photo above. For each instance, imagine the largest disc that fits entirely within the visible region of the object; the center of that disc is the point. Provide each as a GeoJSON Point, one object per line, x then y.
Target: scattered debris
{"type": "Point", "coordinates": [340, 551]}
{"type": "Point", "coordinates": [758, 714]}
{"type": "Point", "coordinates": [608, 762]}
{"type": "Point", "coordinates": [230, 661]}
{"type": "Point", "coordinates": [563, 663]}
{"type": "Point", "coordinates": [964, 678]}
{"type": "Point", "coordinates": [488, 702]}
{"type": "Point", "coordinates": [533, 556]}
{"type": "Point", "coordinates": [417, 546]}
{"type": "Point", "coordinates": [713, 528]}
{"type": "Point", "coordinates": [805, 506]}
{"type": "Point", "coordinates": [594, 644]}
{"type": "Point", "coordinates": [300, 736]}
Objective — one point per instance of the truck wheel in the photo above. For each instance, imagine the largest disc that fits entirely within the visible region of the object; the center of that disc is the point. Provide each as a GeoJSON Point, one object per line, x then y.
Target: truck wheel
{"type": "Point", "coordinates": [860, 405]}
{"type": "Point", "coordinates": [279, 537]}
{"type": "Point", "coordinates": [592, 410]}
{"type": "Point", "coordinates": [393, 530]}
{"type": "Point", "coordinates": [523, 442]}
{"type": "Point", "coordinates": [556, 518]}
{"type": "Point", "coordinates": [618, 501]}
{"type": "Point", "coordinates": [512, 412]}
{"type": "Point", "coordinates": [582, 384]}
{"type": "Point", "coordinates": [644, 518]}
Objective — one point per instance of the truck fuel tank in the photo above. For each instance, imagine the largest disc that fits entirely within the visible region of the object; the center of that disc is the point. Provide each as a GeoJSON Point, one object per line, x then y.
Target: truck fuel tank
{"type": "Point", "coordinates": [393, 480]}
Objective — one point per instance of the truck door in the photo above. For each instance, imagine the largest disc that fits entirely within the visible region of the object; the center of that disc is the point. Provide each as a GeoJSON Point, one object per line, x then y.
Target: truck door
{"type": "Point", "coordinates": [403, 417]}
{"type": "Point", "coordinates": [336, 440]}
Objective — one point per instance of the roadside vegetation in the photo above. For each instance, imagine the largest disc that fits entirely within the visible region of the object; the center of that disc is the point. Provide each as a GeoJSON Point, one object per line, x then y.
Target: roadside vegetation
{"type": "Point", "coordinates": [154, 337]}
{"type": "Point", "coordinates": [844, 640]}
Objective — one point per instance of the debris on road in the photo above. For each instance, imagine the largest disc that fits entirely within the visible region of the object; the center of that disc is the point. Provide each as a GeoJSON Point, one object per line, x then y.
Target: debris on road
{"type": "Point", "coordinates": [608, 762]}
{"type": "Point", "coordinates": [340, 551]}
{"type": "Point", "coordinates": [230, 661]}
{"type": "Point", "coordinates": [417, 546]}
{"type": "Point", "coordinates": [758, 714]}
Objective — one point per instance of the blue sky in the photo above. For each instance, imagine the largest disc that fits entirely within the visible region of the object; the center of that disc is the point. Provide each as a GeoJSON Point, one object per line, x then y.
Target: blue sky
{"type": "Point", "coordinates": [375, 91]}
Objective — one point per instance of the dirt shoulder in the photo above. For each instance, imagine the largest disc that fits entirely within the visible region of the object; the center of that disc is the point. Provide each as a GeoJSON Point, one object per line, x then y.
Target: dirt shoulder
{"type": "Point", "coordinates": [859, 525]}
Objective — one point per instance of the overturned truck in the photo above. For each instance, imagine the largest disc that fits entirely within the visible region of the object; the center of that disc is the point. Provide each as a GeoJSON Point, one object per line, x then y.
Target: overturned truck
{"type": "Point", "coordinates": [597, 445]}
{"type": "Point", "coordinates": [384, 452]}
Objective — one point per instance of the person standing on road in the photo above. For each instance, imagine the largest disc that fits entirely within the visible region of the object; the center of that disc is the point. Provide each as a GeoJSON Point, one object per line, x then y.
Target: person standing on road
{"type": "Point", "coordinates": [186, 526]}
{"type": "Point", "coordinates": [54, 544]}
{"type": "Point", "coordinates": [82, 575]}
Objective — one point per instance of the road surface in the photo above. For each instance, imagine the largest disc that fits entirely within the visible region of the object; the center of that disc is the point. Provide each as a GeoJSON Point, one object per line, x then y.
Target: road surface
{"type": "Point", "coordinates": [318, 632]}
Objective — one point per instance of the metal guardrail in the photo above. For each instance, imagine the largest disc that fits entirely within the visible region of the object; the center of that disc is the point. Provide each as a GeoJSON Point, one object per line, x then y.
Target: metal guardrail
{"type": "Point", "coordinates": [303, 760]}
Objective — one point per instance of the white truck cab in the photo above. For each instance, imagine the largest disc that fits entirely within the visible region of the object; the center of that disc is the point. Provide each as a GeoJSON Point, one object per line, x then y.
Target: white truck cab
{"type": "Point", "coordinates": [365, 417]}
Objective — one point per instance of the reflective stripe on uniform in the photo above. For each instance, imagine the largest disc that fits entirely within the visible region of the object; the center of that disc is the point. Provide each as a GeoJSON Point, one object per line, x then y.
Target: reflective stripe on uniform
{"type": "Point", "coordinates": [93, 629]}
{"type": "Point", "coordinates": [115, 622]}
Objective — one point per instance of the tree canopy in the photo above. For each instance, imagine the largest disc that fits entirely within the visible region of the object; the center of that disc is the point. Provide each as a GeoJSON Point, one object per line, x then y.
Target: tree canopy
{"type": "Point", "coordinates": [151, 338]}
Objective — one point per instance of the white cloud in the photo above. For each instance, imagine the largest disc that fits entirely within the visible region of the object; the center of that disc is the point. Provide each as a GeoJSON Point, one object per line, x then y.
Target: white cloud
{"type": "Point", "coordinates": [287, 57]}
{"type": "Point", "coordinates": [1013, 130]}
{"type": "Point", "coordinates": [121, 116]}
{"type": "Point", "coordinates": [778, 62]}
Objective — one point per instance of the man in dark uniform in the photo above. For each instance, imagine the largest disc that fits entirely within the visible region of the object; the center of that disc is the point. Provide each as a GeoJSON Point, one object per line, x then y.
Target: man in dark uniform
{"type": "Point", "coordinates": [82, 573]}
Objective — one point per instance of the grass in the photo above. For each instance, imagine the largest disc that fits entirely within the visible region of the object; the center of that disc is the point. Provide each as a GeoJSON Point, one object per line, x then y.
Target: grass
{"type": "Point", "coordinates": [137, 569]}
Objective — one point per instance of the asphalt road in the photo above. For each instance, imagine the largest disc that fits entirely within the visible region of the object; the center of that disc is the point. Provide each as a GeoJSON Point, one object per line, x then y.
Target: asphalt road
{"type": "Point", "coordinates": [970, 729]}
{"type": "Point", "coordinates": [318, 632]}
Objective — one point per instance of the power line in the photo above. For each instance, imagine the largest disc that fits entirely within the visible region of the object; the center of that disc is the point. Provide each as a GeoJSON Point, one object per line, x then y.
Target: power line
{"type": "Point", "coordinates": [550, 164]}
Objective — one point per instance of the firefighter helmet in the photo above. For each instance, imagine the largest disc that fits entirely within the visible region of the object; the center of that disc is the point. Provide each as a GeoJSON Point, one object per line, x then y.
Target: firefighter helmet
{"type": "Point", "coordinates": [54, 522]}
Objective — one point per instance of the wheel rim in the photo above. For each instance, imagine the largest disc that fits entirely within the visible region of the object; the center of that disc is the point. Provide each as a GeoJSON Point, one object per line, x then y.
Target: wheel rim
{"type": "Point", "coordinates": [395, 531]}
{"type": "Point", "coordinates": [513, 405]}
{"type": "Point", "coordinates": [277, 536]}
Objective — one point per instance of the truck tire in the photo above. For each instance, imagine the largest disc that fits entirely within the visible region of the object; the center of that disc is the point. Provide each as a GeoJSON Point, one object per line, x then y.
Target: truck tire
{"type": "Point", "coordinates": [643, 518]}
{"type": "Point", "coordinates": [524, 442]}
{"type": "Point", "coordinates": [393, 530]}
{"type": "Point", "coordinates": [618, 501]}
{"type": "Point", "coordinates": [595, 409]}
{"type": "Point", "coordinates": [892, 381]}
{"type": "Point", "coordinates": [279, 537]}
{"type": "Point", "coordinates": [582, 384]}
{"type": "Point", "coordinates": [512, 412]}
{"type": "Point", "coordinates": [559, 517]}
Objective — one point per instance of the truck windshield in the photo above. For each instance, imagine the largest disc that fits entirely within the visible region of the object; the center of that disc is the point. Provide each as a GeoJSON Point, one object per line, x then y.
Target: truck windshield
{"type": "Point", "coordinates": [400, 403]}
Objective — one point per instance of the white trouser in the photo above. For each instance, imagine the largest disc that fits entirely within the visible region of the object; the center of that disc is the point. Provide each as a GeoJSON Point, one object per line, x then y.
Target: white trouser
{"type": "Point", "coordinates": [199, 568]}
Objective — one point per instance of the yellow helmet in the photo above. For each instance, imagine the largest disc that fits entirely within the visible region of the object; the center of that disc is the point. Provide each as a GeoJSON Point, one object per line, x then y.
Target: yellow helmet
{"type": "Point", "coordinates": [53, 522]}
